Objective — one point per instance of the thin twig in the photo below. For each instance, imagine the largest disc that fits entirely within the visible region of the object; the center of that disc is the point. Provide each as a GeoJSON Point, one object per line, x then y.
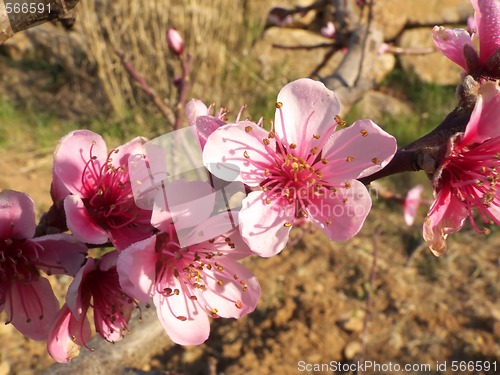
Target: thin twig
{"type": "Point", "coordinates": [183, 90]}
{"type": "Point", "coordinates": [164, 108]}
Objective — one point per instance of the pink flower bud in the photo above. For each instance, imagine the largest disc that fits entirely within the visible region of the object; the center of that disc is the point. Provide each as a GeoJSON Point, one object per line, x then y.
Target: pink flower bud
{"type": "Point", "coordinates": [175, 42]}
{"type": "Point", "coordinates": [328, 31]}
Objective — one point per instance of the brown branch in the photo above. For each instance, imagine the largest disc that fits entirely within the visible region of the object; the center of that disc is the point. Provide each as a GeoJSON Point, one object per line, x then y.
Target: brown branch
{"type": "Point", "coordinates": [164, 108]}
{"type": "Point", "coordinates": [425, 153]}
{"type": "Point", "coordinates": [13, 22]}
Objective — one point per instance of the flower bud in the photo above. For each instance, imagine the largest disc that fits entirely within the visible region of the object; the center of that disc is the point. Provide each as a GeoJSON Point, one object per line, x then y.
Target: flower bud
{"type": "Point", "coordinates": [175, 42]}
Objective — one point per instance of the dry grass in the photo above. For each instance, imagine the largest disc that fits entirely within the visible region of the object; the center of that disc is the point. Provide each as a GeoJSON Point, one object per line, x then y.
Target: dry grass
{"type": "Point", "coordinates": [218, 32]}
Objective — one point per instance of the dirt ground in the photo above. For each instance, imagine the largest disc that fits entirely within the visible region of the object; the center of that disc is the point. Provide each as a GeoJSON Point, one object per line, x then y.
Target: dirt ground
{"type": "Point", "coordinates": [425, 311]}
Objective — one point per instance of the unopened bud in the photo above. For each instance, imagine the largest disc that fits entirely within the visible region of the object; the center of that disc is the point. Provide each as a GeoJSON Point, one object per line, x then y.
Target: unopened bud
{"type": "Point", "coordinates": [175, 42]}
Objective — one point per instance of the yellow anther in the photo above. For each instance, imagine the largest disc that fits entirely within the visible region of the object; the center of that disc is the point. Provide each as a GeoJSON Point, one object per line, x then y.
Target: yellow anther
{"type": "Point", "coordinates": [316, 136]}
{"type": "Point", "coordinates": [266, 141]}
{"type": "Point", "coordinates": [293, 146]}
{"type": "Point", "coordinates": [349, 158]}
{"type": "Point", "coordinates": [248, 128]}
{"type": "Point", "coordinates": [339, 120]}
{"type": "Point", "coordinates": [364, 133]}
{"type": "Point", "coordinates": [314, 150]}
{"type": "Point", "coordinates": [295, 165]}
{"type": "Point", "coordinates": [245, 154]}
{"type": "Point", "coordinates": [279, 104]}
{"type": "Point", "coordinates": [376, 161]}
{"type": "Point", "coordinates": [287, 224]}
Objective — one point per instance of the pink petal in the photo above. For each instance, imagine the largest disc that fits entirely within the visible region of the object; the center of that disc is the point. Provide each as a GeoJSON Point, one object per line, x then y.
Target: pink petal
{"type": "Point", "coordinates": [240, 249]}
{"type": "Point", "coordinates": [75, 294]}
{"type": "Point", "coordinates": [58, 190]}
{"type": "Point", "coordinates": [183, 319]}
{"type": "Point", "coordinates": [359, 150]}
{"type": "Point", "coordinates": [446, 215]}
{"type": "Point", "coordinates": [32, 307]}
{"type": "Point", "coordinates": [206, 125]}
{"type": "Point", "coordinates": [81, 224]}
{"type": "Point", "coordinates": [195, 108]}
{"type": "Point", "coordinates": [63, 254]}
{"type": "Point", "coordinates": [339, 219]}
{"type": "Point", "coordinates": [229, 299]}
{"type": "Point", "coordinates": [17, 215]}
{"type": "Point", "coordinates": [136, 267]}
{"type": "Point", "coordinates": [124, 237]}
{"type": "Point", "coordinates": [121, 155]}
{"type": "Point", "coordinates": [308, 108]}
{"type": "Point", "coordinates": [224, 153]}
{"type": "Point", "coordinates": [411, 203]}
{"type": "Point", "coordinates": [72, 155]}
{"type": "Point", "coordinates": [186, 203]}
{"type": "Point", "coordinates": [60, 344]}
{"type": "Point", "coordinates": [484, 118]}
{"type": "Point", "coordinates": [488, 27]}
{"type": "Point", "coordinates": [262, 225]}
{"type": "Point", "coordinates": [451, 43]}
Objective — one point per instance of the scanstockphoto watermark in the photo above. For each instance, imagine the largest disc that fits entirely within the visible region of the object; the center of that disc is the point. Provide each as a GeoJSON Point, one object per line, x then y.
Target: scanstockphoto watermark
{"type": "Point", "coordinates": [363, 366]}
{"type": "Point", "coordinates": [169, 176]}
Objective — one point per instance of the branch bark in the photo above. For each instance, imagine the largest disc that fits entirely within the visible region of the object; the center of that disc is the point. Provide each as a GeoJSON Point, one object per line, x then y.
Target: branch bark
{"type": "Point", "coordinates": [11, 23]}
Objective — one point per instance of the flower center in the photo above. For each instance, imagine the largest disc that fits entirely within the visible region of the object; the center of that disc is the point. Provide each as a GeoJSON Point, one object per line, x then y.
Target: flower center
{"type": "Point", "coordinates": [108, 193]}
{"type": "Point", "coordinates": [474, 178]}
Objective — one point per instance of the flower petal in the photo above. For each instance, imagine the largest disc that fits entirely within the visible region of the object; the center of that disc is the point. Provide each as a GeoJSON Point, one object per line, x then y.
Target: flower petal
{"type": "Point", "coordinates": [487, 17]}
{"type": "Point", "coordinates": [262, 225]}
{"type": "Point", "coordinates": [32, 307]}
{"type": "Point", "coordinates": [206, 125]}
{"type": "Point", "coordinates": [309, 108]}
{"type": "Point", "coordinates": [341, 213]}
{"type": "Point", "coordinates": [183, 319]}
{"type": "Point", "coordinates": [451, 43]}
{"type": "Point", "coordinates": [411, 203]}
{"type": "Point", "coordinates": [446, 215]}
{"type": "Point", "coordinates": [67, 335]}
{"type": "Point", "coordinates": [17, 215]}
{"type": "Point", "coordinates": [81, 224]}
{"type": "Point", "coordinates": [358, 150]}
{"type": "Point", "coordinates": [236, 152]}
{"type": "Point", "coordinates": [233, 292]}
{"type": "Point", "coordinates": [194, 109]}
{"type": "Point", "coordinates": [63, 254]}
{"type": "Point", "coordinates": [136, 267]}
{"type": "Point", "coordinates": [75, 296]}
{"type": "Point", "coordinates": [72, 155]}
{"type": "Point", "coordinates": [122, 153]}
{"type": "Point", "coordinates": [483, 123]}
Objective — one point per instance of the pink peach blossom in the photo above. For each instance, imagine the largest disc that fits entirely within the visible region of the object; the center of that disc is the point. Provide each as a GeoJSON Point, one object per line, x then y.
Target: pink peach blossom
{"type": "Point", "coordinates": [302, 169]}
{"type": "Point", "coordinates": [96, 285]}
{"type": "Point", "coordinates": [466, 180]}
{"type": "Point", "coordinates": [190, 284]}
{"type": "Point", "coordinates": [25, 295]}
{"type": "Point", "coordinates": [459, 46]}
{"type": "Point", "coordinates": [101, 204]}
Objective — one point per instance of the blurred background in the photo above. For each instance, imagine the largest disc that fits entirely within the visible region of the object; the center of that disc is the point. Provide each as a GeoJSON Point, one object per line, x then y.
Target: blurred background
{"type": "Point", "coordinates": [55, 78]}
